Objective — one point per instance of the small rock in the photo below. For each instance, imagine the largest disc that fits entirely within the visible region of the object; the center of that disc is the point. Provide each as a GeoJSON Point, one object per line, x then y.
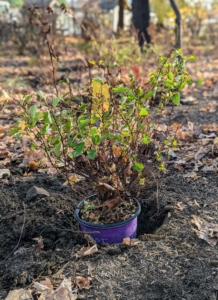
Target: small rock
{"type": "Point", "coordinates": [214, 263]}
{"type": "Point", "coordinates": [35, 191]}
{"type": "Point", "coordinates": [3, 172]}
{"type": "Point", "coordinates": [188, 101]}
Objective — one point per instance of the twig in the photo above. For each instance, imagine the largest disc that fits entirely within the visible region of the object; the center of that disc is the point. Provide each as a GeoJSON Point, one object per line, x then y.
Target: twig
{"type": "Point", "coordinates": [21, 233]}
{"type": "Point", "coordinates": [51, 54]}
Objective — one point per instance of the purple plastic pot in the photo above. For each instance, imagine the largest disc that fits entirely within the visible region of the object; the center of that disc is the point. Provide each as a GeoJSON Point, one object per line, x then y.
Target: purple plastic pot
{"type": "Point", "coordinates": [109, 233]}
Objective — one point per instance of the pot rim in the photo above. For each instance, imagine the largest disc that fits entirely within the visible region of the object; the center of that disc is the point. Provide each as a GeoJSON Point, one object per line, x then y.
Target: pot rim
{"type": "Point", "coordinates": [104, 226]}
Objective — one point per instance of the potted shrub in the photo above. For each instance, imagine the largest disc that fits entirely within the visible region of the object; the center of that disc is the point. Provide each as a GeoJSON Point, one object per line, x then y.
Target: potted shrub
{"type": "Point", "coordinates": [111, 140]}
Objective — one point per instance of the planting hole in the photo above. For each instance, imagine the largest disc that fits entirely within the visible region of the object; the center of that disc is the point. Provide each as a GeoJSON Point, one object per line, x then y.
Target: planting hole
{"type": "Point", "coordinates": [150, 218]}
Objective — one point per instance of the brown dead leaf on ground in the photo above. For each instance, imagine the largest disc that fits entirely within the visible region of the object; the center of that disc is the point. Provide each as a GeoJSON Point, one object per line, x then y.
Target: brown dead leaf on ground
{"type": "Point", "coordinates": [208, 83]}
{"type": "Point", "coordinates": [179, 167]}
{"type": "Point", "coordinates": [131, 242]}
{"type": "Point", "coordinates": [211, 108]}
{"type": "Point", "coordinates": [180, 206]}
{"type": "Point", "coordinates": [85, 251]}
{"type": "Point", "coordinates": [116, 151]}
{"type": "Point", "coordinates": [184, 135]}
{"type": "Point", "coordinates": [63, 292]}
{"type": "Point", "coordinates": [190, 126]}
{"type": "Point", "coordinates": [33, 166]}
{"type": "Point", "coordinates": [210, 128]}
{"type": "Point", "coordinates": [32, 157]}
{"type": "Point", "coordinates": [205, 230]}
{"type": "Point", "coordinates": [20, 294]}
{"type": "Point", "coordinates": [47, 282]}
{"type": "Point", "coordinates": [51, 171]}
{"type": "Point", "coordinates": [83, 283]}
{"type": "Point", "coordinates": [201, 153]}
{"type": "Point", "coordinates": [192, 175]}
{"type": "Point", "coordinates": [4, 152]}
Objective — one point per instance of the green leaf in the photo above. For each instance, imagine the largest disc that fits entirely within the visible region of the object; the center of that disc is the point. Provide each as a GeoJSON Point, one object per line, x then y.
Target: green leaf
{"type": "Point", "coordinates": [142, 181]}
{"type": "Point", "coordinates": [93, 131]}
{"type": "Point", "coordinates": [182, 85]}
{"type": "Point", "coordinates": [199, 82]}
{"type": "Point", "coordinates": [176, 99]}
{"type": "Point", "coordinates": [139, 93]}
{"type": "Point", "coordinates": [170, 76]}
{"type": "Point", "coordinates": [68, 126]}
{"type": "Point", "coordinates": [126, 133]}
{"type": "Point", "coordinates": [174, 142]}
{"type": "Point", "coordinates": [105, 115]}
{"type": "Point", "coordinates": [98, 80]}
{"type": "Point", "coordinates": [35, 119]}
{"type": "Point", "coordinates": [148, 95]}
{"type": "Point", "coordinates": [32, 110]}
{"type": "Point", "coordinates": [83, 123]}
{"type": "Point", "coordinates": [44, 129]}
{"type": "Point", "coordinates": [79, 148]}
{"type": "Point", "coordinates": [162, 167]}
{"type": "Point", "coordinates": [57, 100]}
{"type": "Point", "coordinates": [138, 166]}
{"type": "Point", "coordinates": [91, 154]}
{"type": "Point", "coordinates": [57, 149]}
{"type": "Point", "coordinates": [192, 57]}
{"type": "Point", "coordinates": [19, 136]}
{"type": "Point", "coordinates": [47, 117]}
{"type": "Point", "coordinates": [146, 139]}
{"type": "Point", "coordinates": [120, 89]}
{"type": "Point", "coordinates": [189, 80]}
{"type": "Point", "coordinates": [14, 130]}
{"type": "Point", "coordinates": [169, 83]}
{"type": "Point", "coordinates": [71, 154]}
{"type": "Point", "coordinates": [155, 91]}
{"type": "Point", "coordinates": [105, 136]}
{"type": "Point", "coordinates": [27, 99]}
{"type": "Point", "coordinates": [83, 106]}
{"type": "Point", "coordinates": [96, 139]}
{"type": "Point", "coordinates": [143, 112]}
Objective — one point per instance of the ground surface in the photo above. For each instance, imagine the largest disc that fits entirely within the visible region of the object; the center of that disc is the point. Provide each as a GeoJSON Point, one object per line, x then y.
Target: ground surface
{"type": "Point", "coordinates": [170, 262]}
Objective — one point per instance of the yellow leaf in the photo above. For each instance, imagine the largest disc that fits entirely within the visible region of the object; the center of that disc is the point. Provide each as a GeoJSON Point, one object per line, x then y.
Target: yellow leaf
{"type": "Point", "coordinates": [101, 90]}
{"type": "Point", "coordinates": [74, 178]}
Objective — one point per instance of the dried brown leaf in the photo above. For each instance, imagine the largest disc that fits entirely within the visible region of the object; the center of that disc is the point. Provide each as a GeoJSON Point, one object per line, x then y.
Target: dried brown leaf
{"type": "Point", "coordinates": [20, 294]}
{"type": "Point", "coordinates": [180, 206]}
{"type": "Point", "coordinates": [82, 282]}
{"type": "Point", "coordinates": [85, 251]}
{"type": "Point", "coordinates": [111, 203]}
{"type": "Point", "coordinates": [116, 151]}
{"type": "Point", "coordinates": [201, 153]}
{"type": "Point", "coordinates": [51, 171]}
{"type": "Point", "coordinates": [130, 242]}
{"type": "Point", "coordinates": [47, 282]}
{"type": "Point", "coordinates": [205, 230]}
{"type": "Point", "coordinates": [33, 166]}
{"type": "Point", "coordinates": [179, 167]}
{"type": "Point", "coordinates": [35, 156]}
